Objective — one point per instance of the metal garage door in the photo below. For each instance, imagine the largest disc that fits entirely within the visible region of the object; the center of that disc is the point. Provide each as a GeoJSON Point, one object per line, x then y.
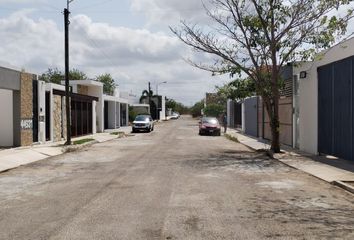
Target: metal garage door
{"type": "Point", "coordinates": [335, 109]}
{"type": "Point", "coordinates": [251, 119]}
{"type": "Point", "coordinates": [238, 115]}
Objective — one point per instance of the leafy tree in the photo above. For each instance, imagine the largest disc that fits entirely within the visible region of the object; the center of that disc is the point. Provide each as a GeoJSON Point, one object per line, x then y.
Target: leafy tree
{"type": "Point", "coordinates": [196, 109]}
{"type": "Point", "coordinates": [238, 89]}
{"type": "Point", "coordinates": [258, 37]}
{"type": "Point", "coordinates": [176, 106]}
{"type": "Point", "coordinates": [75, 74]}
{"type": "Point", "coordinates": [170, 103]}
{"type": "Point", "coordinates": [146, 94]}
{"type": "Point", "coordinates": [108, 83]}
{"type": "Point", "coordinates": [54, 75]}
{"type": "Point", "coordinates": [214, 110]}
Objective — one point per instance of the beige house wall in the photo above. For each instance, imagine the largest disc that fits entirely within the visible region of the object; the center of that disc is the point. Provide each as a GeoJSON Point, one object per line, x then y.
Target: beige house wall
{"type": "Point", "coordinates": [59, 118]}
{"type": "Point", "coordinates": [285, 119]}
{"type": "Point", "coordinates": [84, 90]}
{"type": "Point", "coordinates": [26, 108]}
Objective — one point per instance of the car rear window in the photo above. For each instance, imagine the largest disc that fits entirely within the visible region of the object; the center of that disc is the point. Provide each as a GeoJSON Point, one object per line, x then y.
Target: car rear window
{"type": "Point", "coordinates": [210, 120]}
{"type": "Point", "coordinates": [141, 118]}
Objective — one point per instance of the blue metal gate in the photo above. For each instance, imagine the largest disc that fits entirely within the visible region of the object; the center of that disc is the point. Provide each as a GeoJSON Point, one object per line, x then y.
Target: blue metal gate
{"type": "Point", "coordinates": [335, 109]}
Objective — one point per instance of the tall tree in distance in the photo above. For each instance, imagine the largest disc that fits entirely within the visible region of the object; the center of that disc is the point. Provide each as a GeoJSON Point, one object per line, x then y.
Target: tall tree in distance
{"type": "Point", "coordinates": [258, 37]}
{"type": "Point", "coordinates": [176, 106]}
{"type": "Point", "coordinates": [54, 75]}
{"type": "Point", "coordinates": [109, 84]}
{"type": "Point", "coordinates": [75, 74]}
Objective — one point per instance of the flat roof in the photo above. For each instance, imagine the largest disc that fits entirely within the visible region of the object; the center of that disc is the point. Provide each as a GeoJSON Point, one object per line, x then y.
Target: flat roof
{"type": "Point", "coordinates": [49, 86]}
{"type": "Point", "coordinates": [114, 99]}
{"type": "Point", "coordinates": [84, 83]}
{"type": "Point", "coordinates": [139, 105]}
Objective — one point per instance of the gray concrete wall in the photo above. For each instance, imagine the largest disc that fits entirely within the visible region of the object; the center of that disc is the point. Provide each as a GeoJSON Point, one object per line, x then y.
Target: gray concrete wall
{"type": "Point", "coordinates": [10, 79]}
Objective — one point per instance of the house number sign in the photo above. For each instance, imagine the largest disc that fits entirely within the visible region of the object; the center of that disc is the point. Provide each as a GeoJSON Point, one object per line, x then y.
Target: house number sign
{"type": "Point", "coordinates": [26, 124]}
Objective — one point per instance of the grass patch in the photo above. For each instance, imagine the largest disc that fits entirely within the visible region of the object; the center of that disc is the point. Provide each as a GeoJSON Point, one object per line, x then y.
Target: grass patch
{"type": "Point", "coordinates": [82, 141]}
{"type": "Point", "coordinates": [118, 134]}
{"type": "Point", "coordinates": [232, 138]}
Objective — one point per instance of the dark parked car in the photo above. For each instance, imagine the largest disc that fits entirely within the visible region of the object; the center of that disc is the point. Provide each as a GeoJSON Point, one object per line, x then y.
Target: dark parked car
{"type": "Point", "coordinates": [143, 123]}
{"type": "Point", "coordinates": [209, 125]}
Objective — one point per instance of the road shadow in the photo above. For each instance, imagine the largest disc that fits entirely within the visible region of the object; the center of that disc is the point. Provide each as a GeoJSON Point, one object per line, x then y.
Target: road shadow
{"type": "Point", "coordinates": [309, 211]}
{"type": "Point", "coordinates": [243, 160]}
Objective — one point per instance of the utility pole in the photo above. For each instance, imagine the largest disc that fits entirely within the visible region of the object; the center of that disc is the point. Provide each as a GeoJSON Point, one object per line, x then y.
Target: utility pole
{"type": "Point", "coordinates": [149, 96]}
{"type": "Point", "coordinates": [67, 86]}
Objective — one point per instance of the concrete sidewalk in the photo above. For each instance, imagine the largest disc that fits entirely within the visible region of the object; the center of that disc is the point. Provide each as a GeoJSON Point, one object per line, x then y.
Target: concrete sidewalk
{"type": "Point", "coordinates": [15, 157]}
{"type": "Point", "coordinates": [329, 169]}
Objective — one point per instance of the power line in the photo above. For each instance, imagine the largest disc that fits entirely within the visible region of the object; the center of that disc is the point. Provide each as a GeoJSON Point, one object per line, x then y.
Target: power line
{"type": "Point", "coordinates": [95, 5]}
{"type": "Point", "coordinates": [95, 45]}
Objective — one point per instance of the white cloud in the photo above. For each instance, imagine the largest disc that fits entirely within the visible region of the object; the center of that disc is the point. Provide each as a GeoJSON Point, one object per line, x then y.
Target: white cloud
{"type": "Point", "coordinates": [171, 12]}
{"type": "Point", "coordinates": [133, 56]}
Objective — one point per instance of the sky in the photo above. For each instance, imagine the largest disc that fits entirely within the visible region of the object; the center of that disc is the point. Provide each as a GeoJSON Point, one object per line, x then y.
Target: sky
{"type": "Point", "coordinates": [130, 39]}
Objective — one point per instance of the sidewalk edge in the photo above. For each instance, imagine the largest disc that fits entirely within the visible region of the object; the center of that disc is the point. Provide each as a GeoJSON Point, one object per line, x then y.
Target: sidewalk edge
{"type": "Point", "coordinates": [344, 186]}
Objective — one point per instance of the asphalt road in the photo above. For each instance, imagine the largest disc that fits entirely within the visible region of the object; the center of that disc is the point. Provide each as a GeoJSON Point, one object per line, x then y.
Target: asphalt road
{"type": "Point", "coordinates": [170, 184]}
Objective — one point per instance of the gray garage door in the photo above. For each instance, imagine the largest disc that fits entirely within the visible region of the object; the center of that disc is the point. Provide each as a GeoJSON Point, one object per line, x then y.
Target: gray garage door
{"type": "Point", "coordinates": [335, 109]}
{"type": "Point", "coordinates": [251, 116]}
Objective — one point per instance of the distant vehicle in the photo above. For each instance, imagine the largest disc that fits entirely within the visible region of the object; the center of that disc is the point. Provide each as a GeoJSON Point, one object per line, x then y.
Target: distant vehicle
{"type": "Point", "coordinates": [175, 115]}
{"type": "Point", "coordinates": [143, 123]}
{"type": "Point", "coordinates": [209, 125]}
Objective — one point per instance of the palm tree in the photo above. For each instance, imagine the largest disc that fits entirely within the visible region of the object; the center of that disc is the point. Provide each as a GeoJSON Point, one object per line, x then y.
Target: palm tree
{"type": "Point", "coordinates": [146, 94]}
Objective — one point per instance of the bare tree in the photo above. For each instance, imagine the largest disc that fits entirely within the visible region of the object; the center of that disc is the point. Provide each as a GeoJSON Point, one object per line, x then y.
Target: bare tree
{"type": "Point", "coordinates": [258, 37]}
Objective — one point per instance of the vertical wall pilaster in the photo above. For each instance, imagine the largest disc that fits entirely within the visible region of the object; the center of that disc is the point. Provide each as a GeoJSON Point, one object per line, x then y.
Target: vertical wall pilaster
{"type": "Point", "coordinates": [26, 106]}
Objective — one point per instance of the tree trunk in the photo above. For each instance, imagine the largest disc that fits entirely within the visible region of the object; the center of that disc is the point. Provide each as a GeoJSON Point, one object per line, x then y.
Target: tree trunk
{"type": "Point", "coordinates": [274, 124]}
{"type": "Point", "coordinates": [272, 108]}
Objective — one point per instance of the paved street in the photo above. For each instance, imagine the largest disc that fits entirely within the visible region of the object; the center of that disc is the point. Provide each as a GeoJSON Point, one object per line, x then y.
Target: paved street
{"type": "Point", "coordinates": [170, 184]}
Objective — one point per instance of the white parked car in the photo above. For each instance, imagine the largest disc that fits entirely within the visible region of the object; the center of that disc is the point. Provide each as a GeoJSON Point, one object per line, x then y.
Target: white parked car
{"type": "Point", "coordinates": [175, 115]}
{"type": "Point", "coordinates": [143, 123]}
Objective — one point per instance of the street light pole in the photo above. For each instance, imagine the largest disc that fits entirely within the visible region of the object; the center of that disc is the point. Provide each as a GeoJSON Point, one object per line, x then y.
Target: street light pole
{"type": "Point", "coordinates": [67, 86]}
{"type": "Point", "coordinates": [157, 87]}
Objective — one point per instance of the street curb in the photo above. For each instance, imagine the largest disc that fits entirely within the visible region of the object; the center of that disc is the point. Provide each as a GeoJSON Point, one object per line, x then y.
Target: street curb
{"type": "Point", "coordinates": [232, 138]}
{"type": "Point", "coordinates": [73, 148]}
{"type": "Point", "coordinates": [235, 139]}
{"type": "Point", "coordinates": [344, 186]}
{"type": "Point", "coordinates": [9, 169]}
